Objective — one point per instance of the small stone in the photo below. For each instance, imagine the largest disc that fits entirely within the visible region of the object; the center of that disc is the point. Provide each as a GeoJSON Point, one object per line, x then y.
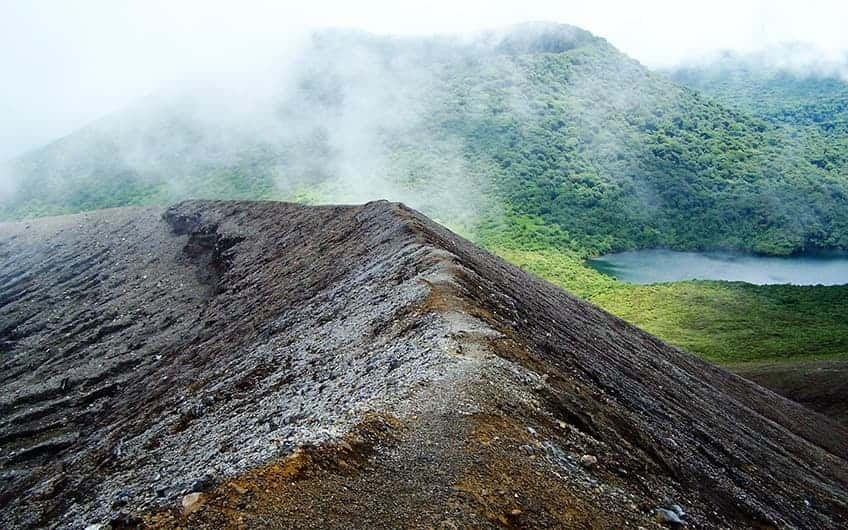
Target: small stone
{"type": "Point", "coordinates": [588, 461]}
{"type": "Point", "coordinates": [668, 517]}
{"type": "Point", "coordinates": [121, 499]}
{"type": "Point", "coordinates": [203, 483]}
{"type": "Point", "coordinates": [98, 526]}
{"type": "Point", "coordinates": [192, 502]}
{"type": "Point", "coordinates": [124, 520]}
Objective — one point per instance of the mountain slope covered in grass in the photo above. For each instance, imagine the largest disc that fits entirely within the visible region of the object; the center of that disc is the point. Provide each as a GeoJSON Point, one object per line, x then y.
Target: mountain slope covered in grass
{"type": "Point", "coordinates": [724, 322]}
{"type": "Point", "coordinates": [537, 126]}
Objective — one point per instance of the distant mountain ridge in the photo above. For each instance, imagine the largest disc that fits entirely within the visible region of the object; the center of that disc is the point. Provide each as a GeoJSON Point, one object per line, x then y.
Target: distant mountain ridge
{"type": "Point", "coordinates": [539, 135]}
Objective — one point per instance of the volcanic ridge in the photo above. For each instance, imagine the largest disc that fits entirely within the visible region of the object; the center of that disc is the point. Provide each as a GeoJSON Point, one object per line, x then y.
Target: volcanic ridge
{"type": "Point", "coordinates": [271, 365]}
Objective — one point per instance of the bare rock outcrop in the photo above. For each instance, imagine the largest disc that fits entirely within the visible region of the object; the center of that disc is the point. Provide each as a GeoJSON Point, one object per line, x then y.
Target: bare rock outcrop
{"type": "Point", "coordinates": [362, 367]}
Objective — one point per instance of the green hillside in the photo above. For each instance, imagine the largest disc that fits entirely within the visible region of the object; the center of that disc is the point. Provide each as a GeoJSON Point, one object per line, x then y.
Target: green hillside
{"type": "Point", "coordinates": [542, 142]}
{"type": "Point", "coordinates": [775, 85]}
{"type": "Point", "coordinates": [544, 122]}
{"type": "Point", "coordinates": [811, 100]}
{"type": "Point", "coordinates": [724, 322]}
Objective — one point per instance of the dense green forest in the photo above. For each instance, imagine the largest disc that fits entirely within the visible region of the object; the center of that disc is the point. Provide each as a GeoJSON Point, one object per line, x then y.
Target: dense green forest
{"type": "Point", "coordinates": [543, 143]}
{"type": "Point", "coordinates": [543, 122]}
{"type": "Point", "coordinates": [770, 85]}
{"type": "Point", "coordinates": [811, 101]}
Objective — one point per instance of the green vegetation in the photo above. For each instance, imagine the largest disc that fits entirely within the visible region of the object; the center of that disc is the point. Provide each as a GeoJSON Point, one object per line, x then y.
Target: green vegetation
{"type": "Point", "coordinates": [546, 121]}
{"type": "Point", "coordinates": [544, 144]}
{"type": "Point", "coordinates": [617, 158]}
{"type": "Point", "coordinates": [790, 96]}
{"type": "Point", "coordinates": [810, 105]}
{"type": "Point", "coordinates": [724, 322]}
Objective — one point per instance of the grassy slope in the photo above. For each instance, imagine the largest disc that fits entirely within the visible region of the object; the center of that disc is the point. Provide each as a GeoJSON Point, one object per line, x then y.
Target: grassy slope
{"type": "Point", "coordinates": [724, 322]}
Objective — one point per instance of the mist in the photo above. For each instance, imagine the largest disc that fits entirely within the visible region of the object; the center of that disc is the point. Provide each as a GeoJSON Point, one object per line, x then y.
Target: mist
{"type": "Point", "coordinates": [66, 65]}
{"type": "Point", "coordinates": [251, 103]}
{"type": "Point", "coordinates": [797, 59]}
{"type": "Point", "coordinates": [337, 116]}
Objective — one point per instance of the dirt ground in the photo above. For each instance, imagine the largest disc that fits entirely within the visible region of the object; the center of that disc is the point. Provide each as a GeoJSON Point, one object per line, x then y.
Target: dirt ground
{"type": "Point", "coordinates": [268, 365]}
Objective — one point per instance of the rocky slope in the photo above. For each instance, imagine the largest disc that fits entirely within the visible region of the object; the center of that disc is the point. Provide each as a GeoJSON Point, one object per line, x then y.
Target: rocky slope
{"type": "Point", "coordinates": [260, 364]}
{"type": "Point", "coordinates": [819, 385]}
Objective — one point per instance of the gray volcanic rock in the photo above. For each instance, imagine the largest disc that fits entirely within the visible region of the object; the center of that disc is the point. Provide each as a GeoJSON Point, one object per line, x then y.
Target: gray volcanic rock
{"type": "Point", "coordinates": [361, 367]}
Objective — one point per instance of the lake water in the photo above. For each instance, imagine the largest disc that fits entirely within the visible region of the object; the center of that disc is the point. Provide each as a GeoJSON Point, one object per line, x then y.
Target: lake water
{"type": "Point", "coordinates": [657, 265]}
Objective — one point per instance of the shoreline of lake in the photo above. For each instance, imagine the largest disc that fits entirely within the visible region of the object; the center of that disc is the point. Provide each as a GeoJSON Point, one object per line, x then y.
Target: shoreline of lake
{"type": "Point", "coordinates": [649, 266]}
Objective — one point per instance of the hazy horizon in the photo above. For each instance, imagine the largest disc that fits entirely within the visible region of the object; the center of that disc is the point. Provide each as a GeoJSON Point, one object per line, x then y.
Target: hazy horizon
{"type": "Point", "coordinates": [67, 65]}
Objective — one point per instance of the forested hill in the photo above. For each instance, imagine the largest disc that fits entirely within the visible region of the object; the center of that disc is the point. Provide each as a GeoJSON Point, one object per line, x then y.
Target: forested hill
{"type": "Point", "coordinates": [789, 85]}
{"type": "Point", "coordinates": [538, 136]}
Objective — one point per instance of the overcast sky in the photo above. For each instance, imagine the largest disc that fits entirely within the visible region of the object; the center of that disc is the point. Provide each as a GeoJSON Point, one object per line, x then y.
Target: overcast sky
{"type": "Point", "coordinates": [65, 63]}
